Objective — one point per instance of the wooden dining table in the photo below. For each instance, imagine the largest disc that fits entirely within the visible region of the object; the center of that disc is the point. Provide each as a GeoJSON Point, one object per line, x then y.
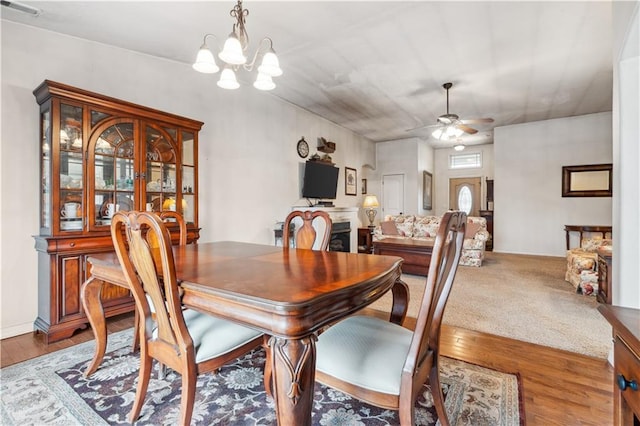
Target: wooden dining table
{"type": "Point", "coordinates": [288, 294]}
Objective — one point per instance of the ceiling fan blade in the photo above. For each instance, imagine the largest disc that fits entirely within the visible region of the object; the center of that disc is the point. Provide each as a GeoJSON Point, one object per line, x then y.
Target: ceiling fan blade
{"type": "Point", "coordinates": [478, 120]}
{"type": "Point", "coordinates": [467, 129]}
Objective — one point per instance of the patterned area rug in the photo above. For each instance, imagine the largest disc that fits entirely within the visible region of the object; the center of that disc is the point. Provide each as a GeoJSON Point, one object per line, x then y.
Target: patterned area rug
{"type": "Point", "coordinates": [51, 390]}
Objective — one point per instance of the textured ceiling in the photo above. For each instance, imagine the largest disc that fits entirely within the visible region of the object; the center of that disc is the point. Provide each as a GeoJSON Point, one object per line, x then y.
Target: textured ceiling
{"type": "Point", "coordinates": [377, 68]}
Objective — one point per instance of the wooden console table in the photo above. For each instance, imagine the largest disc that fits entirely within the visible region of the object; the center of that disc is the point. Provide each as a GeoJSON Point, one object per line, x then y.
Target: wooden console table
{"type": "Point", "coordinates": [365, 240]}
{"type": "Point", "coordinates": [416, 253]}
{"type": "Point", "coordinates": [581, 229]}
{"type": "Point", "coordinates": [626, 355]}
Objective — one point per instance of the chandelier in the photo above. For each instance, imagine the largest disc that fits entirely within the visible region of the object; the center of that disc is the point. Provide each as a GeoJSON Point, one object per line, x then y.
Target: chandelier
{"type": "Point", "coordinates": [233, 56]}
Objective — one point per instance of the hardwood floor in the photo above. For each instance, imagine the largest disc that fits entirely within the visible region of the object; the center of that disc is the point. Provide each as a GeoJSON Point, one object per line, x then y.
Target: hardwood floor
{"type": "Point", "coordinates": [558, 387]}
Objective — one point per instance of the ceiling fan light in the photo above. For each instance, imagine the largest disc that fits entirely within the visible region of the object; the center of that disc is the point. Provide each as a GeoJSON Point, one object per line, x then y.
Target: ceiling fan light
{"type": "Point", "coordinates": [459, 147]}
{"type": "Point", "coordinates": [228, 79]}
{"type": "Point", "coordinates": [438, 133]}
{"type": "Point", "coordinates": [205, 62]}
{"type": "Point", "coordinates": [232, 51]}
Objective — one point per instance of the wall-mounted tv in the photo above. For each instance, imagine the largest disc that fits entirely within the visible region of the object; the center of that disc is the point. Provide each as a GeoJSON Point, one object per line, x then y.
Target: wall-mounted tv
{"type": "Point", "coordinates": [320, 180]}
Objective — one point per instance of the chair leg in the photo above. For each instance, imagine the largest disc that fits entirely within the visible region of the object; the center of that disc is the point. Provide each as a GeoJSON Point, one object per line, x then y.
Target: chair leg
{"type": "Point", "coordinates": [143, 384]}
{"type": "Point", "coordinates": [406, 411]}
{"type": "Point", "coordinates": [436, 392]}
{"type": "Point", "coordinates": [189, 379]}
{"type": "Point", "coordinates": [136, 331]}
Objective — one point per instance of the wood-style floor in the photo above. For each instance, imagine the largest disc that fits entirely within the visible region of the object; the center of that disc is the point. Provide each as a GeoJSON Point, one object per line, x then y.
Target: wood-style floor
{"type": "Point", "coordinates": [558, 387]}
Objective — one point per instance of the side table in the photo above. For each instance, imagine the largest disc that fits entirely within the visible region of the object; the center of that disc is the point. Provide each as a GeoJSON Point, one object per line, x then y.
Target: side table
{"type": "Point", "coordinates": [365, 240]}
{"type": "Point", "coordinates": [604, 275]}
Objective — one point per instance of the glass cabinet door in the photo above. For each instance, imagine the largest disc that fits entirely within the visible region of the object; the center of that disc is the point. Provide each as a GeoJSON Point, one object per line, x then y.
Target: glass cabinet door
{"type": "Point", "coordinates": [114, 172]}
{"type": "Point", "coordinates": [188, 176]}
{"type": "Point", "coordinates": [45, 170]}
{"type": "Point", "coordinates": [71, 168]}
{"type": "Point", "coordinates": [160, 171]}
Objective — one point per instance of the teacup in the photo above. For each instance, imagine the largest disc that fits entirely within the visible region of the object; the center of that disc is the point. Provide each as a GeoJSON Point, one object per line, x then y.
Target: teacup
{"type": "Point", "coordinates": [70, 210]}
{"type": "Point", "coordinates": [112, 209]}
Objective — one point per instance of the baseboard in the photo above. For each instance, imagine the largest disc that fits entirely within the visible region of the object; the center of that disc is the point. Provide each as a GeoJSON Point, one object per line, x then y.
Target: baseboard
{"type": "Point", "coordinates": [16, 330]}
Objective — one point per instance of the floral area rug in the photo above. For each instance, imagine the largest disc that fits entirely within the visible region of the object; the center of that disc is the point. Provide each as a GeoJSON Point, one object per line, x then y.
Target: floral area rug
{"type": "Point", "coordinates": [51, 390]}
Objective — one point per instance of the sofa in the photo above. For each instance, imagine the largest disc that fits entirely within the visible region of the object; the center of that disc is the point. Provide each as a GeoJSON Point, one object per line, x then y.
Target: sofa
{"type": "Point", "coordinates": [413, 227]}
{"type": "Point", "coordinates": [582, 265]}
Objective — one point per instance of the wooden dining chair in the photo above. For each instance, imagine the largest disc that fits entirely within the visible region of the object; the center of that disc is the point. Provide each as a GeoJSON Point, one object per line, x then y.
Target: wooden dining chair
{"type": "Point", "coordinates": [171, 217]}
{"type": "Point", "coordinates": [306, 235]}
{"type": "Point", "coordinates": [385, 364]}
{"type": "Point", "coordinates": [185, 340]}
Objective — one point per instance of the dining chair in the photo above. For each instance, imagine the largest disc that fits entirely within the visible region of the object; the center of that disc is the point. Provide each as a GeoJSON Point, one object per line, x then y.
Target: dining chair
{"type": "Point", "coordinates": [306, 235]}
{"type": "Point", "coordinates": [172, 217]}
{"type": "Point", "coordinates": [385, 364]}
{"type": "Point", "coordinates": [185, 340]}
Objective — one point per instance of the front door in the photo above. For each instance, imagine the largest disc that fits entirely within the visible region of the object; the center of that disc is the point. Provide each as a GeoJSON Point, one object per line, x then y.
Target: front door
{"type": "Point", "coordinates": [464, 194]}
{"type": "Point", "coordinates": [392, 194]}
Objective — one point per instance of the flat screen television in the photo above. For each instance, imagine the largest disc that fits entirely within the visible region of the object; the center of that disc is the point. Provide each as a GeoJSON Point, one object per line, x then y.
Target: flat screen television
{"type": "Point", "coordinates": [320, 180]}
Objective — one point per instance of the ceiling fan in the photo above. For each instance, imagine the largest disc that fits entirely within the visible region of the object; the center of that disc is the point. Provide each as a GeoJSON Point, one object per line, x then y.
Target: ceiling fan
{"type": "Point", "coordinates": [450, 125]}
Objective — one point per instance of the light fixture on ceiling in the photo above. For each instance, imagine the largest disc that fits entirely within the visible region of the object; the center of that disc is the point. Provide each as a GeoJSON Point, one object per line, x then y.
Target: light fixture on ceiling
{"type": "Point", "coordinates": [34, 11]}
{"type": "Point", "coordinates": [447, 132]}
{"type": "Point", "coordinates": [459, 146]}
{"type": "Point", "coordinates": [233, 56]}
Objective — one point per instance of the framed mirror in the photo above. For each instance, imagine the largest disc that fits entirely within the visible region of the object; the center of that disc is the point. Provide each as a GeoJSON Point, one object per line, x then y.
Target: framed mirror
{"type": "Point", "coordinates": [593, 180]}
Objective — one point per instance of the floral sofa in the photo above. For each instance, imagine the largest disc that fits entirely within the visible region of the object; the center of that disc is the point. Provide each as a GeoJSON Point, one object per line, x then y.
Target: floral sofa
{"type": "Point", "coordinates": [426, 228]}
{"type": "Point", "coordinates": [582, 265]}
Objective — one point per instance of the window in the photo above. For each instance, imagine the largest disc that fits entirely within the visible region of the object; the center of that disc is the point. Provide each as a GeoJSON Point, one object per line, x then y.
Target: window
{"type": "Point", "coordinates": [472, 160]}
{"type": "Point", "coordinates": [465, 199]}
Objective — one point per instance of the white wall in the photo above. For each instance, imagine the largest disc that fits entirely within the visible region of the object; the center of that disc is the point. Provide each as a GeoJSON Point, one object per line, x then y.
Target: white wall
{"type": "Point", "coordinates": [249, 168]}
{"type": "Point", "coordinates": [626, 134]}
{"type": "Point", "coordinates": [443, 173]}
{"type": "Point", "coordinates": [409, 157]}
{"type": "Point", "coordinates": [530, 212]}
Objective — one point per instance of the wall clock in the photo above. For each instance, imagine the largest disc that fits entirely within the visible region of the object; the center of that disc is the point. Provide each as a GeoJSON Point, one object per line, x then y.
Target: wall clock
{"type": "Point", "coordinates": [303, 148]}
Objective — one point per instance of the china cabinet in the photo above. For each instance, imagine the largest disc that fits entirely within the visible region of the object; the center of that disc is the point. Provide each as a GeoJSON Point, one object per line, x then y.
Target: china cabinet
{"type": "Point", "coordinates": [99, 155]}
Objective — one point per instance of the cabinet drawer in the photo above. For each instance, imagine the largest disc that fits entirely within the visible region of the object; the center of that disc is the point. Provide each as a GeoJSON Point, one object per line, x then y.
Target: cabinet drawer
{"type": "Point", "coordinates": [627, 363]}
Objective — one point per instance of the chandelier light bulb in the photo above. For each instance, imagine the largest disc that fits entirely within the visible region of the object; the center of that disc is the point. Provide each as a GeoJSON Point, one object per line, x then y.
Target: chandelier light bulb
{"type": "Point", "coordinates": [228, 79]}
{"type": "Point", "coordinates": [270, 64]}
{"type": "Point", "coordinates": [205, 62]}
{"type": "Point", "coordinates": [232, 51]}
{"type": "Point", "coordinates": [264, 82]}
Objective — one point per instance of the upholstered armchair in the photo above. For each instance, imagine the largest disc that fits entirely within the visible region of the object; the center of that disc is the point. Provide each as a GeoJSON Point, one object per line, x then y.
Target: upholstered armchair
{"type": "Point", "coordinates": [582, 263]}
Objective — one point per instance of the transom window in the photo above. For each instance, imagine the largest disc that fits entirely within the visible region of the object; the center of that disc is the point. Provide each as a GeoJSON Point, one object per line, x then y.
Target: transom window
{"type": "Point", "coordinates": [472, 160]}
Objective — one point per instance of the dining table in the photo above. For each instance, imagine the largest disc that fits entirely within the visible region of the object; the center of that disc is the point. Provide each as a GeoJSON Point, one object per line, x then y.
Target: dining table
{"type": "Point", "coordinates": [289, 294]}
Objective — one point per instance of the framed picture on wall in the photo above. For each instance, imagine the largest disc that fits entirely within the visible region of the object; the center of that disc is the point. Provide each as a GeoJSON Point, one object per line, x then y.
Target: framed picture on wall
{"type": "Point", "coordinates": [364, 186]}
{"type": "Point", "coordinates": [350, 181]}
{"type": "Point", "coordinates": [427, 182]}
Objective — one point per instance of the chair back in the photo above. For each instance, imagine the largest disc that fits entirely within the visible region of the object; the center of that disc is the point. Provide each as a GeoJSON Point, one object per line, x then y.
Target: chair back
{"type": "Point", "coordinates": [306, 235]}
{"type": "Point", "coordinates": [143, 246]}
{"type": "Point", "coordinates": [166, 215]}
{"type": "Point", "coordinates": [442, 270]}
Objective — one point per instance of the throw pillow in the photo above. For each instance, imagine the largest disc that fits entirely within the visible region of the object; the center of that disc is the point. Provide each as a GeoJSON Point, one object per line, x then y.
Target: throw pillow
{"type": "Point", "coordinates": [472, 229]}
{"type": "Point", "coordinates": [389, 228]}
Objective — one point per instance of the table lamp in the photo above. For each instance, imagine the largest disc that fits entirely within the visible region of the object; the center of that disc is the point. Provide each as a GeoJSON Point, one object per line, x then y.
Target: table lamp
{"type": "Point", "coordinates": [370, 203]}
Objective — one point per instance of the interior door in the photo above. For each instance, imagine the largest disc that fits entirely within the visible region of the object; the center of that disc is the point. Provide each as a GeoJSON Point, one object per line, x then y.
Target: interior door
{"type": "Point", "coordinates": [392, 194]}
{"type": "Point", "coordinates": [464, 194]}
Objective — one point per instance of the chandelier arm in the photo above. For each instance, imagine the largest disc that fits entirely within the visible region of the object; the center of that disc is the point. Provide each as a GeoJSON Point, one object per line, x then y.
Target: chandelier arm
{"type": "Point", "coordinates": [239, 29]}
{"type": "Point", "coordinates": [250, 65]}
{"type": "Point", "coordinates": [204, 40]}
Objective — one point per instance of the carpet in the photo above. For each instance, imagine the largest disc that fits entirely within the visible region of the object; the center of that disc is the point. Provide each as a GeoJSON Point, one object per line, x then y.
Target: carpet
{"type": "Point", "coordinates": [522, 297]}
{"type": "Point", "coordinates": [51, 390]}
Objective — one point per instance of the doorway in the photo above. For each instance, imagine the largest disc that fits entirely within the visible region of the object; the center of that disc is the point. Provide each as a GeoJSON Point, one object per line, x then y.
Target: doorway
{"type": "Point", "coordinates": [392, 194]}
{"type": "Point", "coordinates": [464, 194]}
